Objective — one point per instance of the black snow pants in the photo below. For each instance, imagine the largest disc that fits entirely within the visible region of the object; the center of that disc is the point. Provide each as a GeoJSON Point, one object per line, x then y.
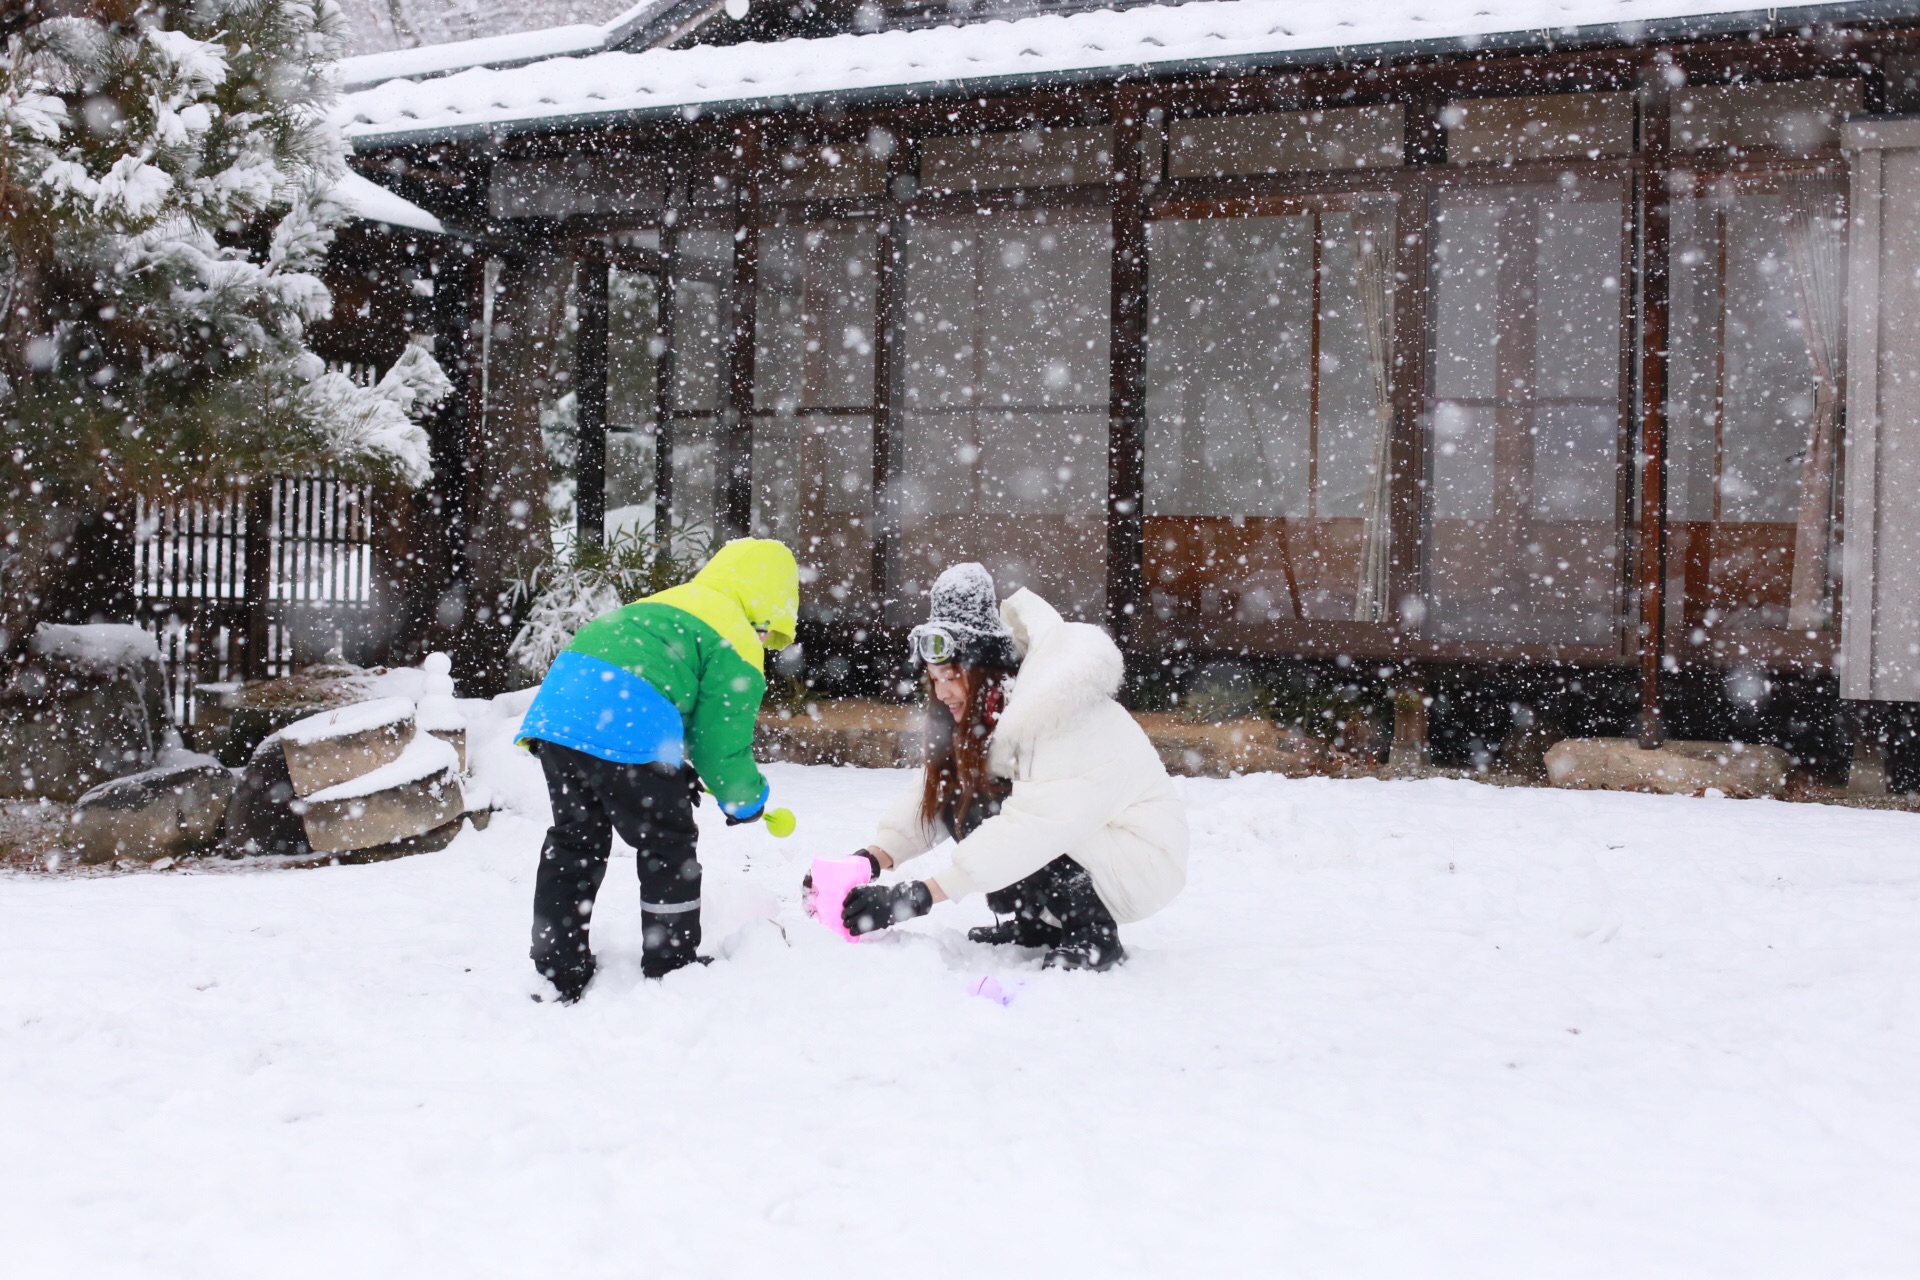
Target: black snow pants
{"type": "Point", "coordinates": [1056, 903]}
{"type": "Point", "coordinates": [651, 806]}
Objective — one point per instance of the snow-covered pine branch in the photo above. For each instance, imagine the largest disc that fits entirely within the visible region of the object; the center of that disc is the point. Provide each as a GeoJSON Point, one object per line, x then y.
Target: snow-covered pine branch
{"type": "Point", "coordinates": [166, 180]}
{"type": "Point", "coordinates": [164, 220]}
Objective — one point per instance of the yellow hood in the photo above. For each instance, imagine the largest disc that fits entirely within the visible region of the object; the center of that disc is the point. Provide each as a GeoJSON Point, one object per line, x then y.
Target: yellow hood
{"type": "Point", "coordinates": [760, 576]}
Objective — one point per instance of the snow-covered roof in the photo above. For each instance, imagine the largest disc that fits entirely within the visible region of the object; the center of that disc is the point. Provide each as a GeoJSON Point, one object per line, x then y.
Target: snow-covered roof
{"type": "Point", "coordinates": [640, 22]}
{"type": "Point", "coordinates": [373, 202]}
{"type": "Point", "coordinates": [615, 84]}
{"type": "Point", "coordinates": [458, 55]}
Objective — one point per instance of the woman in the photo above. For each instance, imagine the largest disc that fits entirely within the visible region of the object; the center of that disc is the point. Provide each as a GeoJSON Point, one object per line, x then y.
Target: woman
{"type": "Point", "coordinates": [1058, 805]}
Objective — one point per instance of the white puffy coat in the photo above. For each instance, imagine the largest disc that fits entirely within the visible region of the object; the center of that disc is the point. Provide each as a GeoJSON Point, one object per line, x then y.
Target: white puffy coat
{"type": "Point", "coordinates": [1086, 781]}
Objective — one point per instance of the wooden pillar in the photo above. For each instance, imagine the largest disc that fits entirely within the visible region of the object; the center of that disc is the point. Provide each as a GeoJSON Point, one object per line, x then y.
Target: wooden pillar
{"type": "Point", "coordinates": [1651, 201]}
{"type": "Point", "coordinates": [1409, 755]}
{"type": "Point", "coordinates": [590, 392]}
{"type": "Point", "coordinates": [736, 414]}
{"type": "Point", "coordinates": [1426, 145]}
{"type": "Point", "coordinates": [1404, 610]}
{"type": "Point", "coordinates": [1126, 396]}
{"type": "Point", "coordinates": [889, 258]}
{"type": "Point", "coordinates": [256, 576]}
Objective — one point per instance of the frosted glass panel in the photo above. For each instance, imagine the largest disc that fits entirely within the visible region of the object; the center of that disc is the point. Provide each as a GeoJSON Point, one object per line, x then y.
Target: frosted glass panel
{"type": "Point", "coordinates": [1003, 418]}
{"type": "Point", "coordinates": [1525, 467]}
{"type": "Point", "coordinates": [813, 323]}
{"type": "Point", "coordinates": [1741, 403]}
{"type": "Point", "coordinates": [1538, 127]}
{"type": "Point", "coordinates": [703, 275]}
{"type": "Point", "coordinates": [1338, 138]}
{"type": "Point", "coordinates": [813, 490]}
{"type": "Point", "coordinates": [1268, 404]}
{"type": "Point", "coordinates": [633, 353]}
{"type": "Point", "coordinates": [1229, 366]}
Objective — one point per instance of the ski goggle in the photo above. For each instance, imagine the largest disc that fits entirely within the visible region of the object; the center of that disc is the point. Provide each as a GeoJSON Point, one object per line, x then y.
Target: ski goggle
{"type": "Point", "coordinates": [933, 645]}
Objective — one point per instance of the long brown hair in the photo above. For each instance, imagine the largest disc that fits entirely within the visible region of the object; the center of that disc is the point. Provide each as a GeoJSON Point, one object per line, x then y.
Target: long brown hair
{"type": "Point", "coordinates": [956, 769]}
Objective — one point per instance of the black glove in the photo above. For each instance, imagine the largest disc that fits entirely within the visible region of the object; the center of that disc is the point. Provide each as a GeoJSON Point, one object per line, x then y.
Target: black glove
{"type": "Point", "coordinates": [692, 780]}
{"type": "Point", "coordinates": [878, 906]}
{"type": "Point", "coordinates": [806, 881]}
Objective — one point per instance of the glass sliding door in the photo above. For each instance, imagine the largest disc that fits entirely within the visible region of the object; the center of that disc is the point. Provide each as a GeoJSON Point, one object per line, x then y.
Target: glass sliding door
{"type": "Point", "coordinates": [1269, 412]}
{"type": "Point", "coordinates": [1757, 270]}
{"type": "Point", "coordinates": [813, 408]}
{"type": "Point", "coordinates": [1526, 468]}
{"type": "Point", "coordinates": [1003, 379]}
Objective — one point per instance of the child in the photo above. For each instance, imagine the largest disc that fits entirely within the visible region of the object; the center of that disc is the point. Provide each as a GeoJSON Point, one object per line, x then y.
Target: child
{"type": "Point", "coordinates": [671, 681]}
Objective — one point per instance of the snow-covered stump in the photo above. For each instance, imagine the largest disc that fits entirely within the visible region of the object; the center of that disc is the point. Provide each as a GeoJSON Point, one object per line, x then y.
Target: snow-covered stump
{"type": "Point", "coordinates": [336, 747]}
{"type": "Point", "coordinates": [173, 809]}
{"type": "Point", "coordinates": [1675, 768]}
{"type": "Point", "coordinates": [406, 798]}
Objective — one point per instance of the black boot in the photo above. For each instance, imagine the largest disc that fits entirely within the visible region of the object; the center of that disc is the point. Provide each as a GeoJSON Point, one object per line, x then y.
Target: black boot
{"type": "Point", "coordinates": [1091, 936]}
{"type": "Point", "coordinates": [1017, 931]}
{"type": "Point", "coordinates": [1092, 947]}
{"type": "Point", "coordinates": [569, 982]}
{"type": "Point", "coordinates": [1017, 914]}
{"type": "Point", "coordinates": [669, 941]}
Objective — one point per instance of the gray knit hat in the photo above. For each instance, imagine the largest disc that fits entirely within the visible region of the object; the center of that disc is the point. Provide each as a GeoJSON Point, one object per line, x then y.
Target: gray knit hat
{"type": "Point", "coordinates": [964, 622]}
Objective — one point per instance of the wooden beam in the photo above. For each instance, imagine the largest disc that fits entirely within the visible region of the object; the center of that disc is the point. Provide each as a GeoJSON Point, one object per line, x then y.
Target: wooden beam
{"type": "Point", "coordinates": [736, 414]}
{"type": "Point", "coordinates": [1426, 147]}
{"type": "Point", "coordinates": [890, 248]}
{"type": "Point", "coordinates": [590, 392]}
{"type": "Point", "coordinates": [1651, 200]}
{"type": "Point", "coordinates": [1127, 386]}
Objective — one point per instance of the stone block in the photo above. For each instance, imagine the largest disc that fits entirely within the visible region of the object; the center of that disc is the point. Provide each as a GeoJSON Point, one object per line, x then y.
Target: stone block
{"type": "Point", "coordinates": [439, 715]}
{"type": "Point", "coordinates": [349, 742]}
{"type": "Point", "coordinates": [455, 738]}
{"type": "Point", "coordinates": [406, 798]}
{"type": "Point", "coordinates": [236, 719]}
{"type": "Point", "coordinates": [1676, 768]}
{"type": "Point", "coordinates": [869, 735]}
{"type": "Point", "coordinates": [173, 809]}
{"type": "Point", "coordinates": [1222, 749]}
{"type": "Point", "coordinates": [262, 818]}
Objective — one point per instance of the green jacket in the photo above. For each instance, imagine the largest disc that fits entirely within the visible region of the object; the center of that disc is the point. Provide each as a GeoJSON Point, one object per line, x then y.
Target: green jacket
{"type": "Point", "coordinates": [680, 675]}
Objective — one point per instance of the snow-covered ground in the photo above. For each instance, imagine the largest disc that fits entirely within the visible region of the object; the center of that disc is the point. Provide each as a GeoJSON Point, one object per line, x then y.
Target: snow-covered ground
{"type": "Point", "coordinates": [1391, 1029]}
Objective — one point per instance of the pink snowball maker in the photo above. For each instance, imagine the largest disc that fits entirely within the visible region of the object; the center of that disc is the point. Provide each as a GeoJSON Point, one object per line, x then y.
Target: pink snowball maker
{"type": "Point", "coordinates": [832, 878]}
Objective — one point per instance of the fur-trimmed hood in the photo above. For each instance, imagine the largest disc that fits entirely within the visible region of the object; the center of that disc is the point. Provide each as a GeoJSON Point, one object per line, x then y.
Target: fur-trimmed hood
{"type": "Point", "coordinates": [1066, 670]}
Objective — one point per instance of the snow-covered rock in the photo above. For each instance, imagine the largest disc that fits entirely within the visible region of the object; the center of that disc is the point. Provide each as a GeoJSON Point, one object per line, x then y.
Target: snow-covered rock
{"type": "Point", "coordinates": [172, 809]}
{"type": "Point", "coordinates": [338, 746]}
{"type": "Point", "coordinates": [1675, 768]}
{"type": "Point", "coordinates": [261, 818]}
{"type": "Point", "coordinates": [97, 646]}
{"type": "Point", "coordinates": [409, 796]}
{"type": "Point", "coordinates": [88, 705]}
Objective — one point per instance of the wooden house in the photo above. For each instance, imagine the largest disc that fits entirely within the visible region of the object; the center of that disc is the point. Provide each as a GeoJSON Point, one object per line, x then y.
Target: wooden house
{"type": "Point", "coordinates": [1483, 342]}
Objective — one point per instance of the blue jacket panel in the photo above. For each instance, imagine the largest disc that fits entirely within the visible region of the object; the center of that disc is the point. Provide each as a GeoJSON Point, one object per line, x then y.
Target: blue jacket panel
{"type": "Point", "coordinates": [606, 711]}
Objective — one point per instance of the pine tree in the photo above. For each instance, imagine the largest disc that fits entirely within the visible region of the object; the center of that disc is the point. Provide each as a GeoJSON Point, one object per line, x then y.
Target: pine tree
{"type": "Point", "coordinates": [164, 217]}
